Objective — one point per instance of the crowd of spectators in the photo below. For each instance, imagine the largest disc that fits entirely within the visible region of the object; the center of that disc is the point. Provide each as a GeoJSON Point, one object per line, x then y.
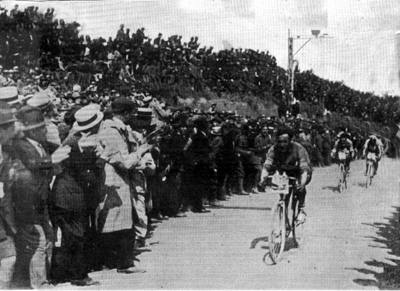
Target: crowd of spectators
{"type": "Point", "coordinates": [93, 150]}
{"type": "Point", "coordinates": [33, 40]}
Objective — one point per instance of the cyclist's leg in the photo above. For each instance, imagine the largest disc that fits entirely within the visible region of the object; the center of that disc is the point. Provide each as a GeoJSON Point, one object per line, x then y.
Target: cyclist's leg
{"type": "Point", "coordinates": [347, 164]}
{"type": "Point", "coordinates": [301, 197]}
{"type": "Point", "coordinates": [376, 165]}
{"type": "Point", "coordinates": [366, 166]}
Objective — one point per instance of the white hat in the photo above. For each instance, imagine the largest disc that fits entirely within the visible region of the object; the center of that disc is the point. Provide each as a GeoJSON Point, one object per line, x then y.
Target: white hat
{"type": "Point", "coordinates": [40, 100]}
{"type": "Point", "coordinates": [87, 117]}
{"type": "Point", "coordinates": [10, 95]}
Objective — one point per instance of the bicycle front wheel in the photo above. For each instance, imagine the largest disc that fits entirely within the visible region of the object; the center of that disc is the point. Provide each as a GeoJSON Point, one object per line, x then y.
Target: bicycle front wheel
{"type": "Point", "coordinates": [277, 235]}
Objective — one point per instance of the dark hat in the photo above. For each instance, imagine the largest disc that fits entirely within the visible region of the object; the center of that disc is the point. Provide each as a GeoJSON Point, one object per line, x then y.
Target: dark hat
{"type": "Point", "coordinates": [30, 117]}
{"type": "Point", "coordinates": [144, 113]}
{"type": "Point", "coordinates": [6, 115]}
{"type": "Point", "coordinates": [122, 105]}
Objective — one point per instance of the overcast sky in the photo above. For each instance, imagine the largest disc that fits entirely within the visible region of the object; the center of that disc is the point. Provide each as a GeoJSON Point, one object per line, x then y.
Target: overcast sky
{"type": "Point", "coordinates": [364, 51]}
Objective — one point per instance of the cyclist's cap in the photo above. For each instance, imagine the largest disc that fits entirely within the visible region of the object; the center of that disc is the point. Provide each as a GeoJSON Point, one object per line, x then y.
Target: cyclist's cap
{"type": "Point", "coordinates": [344, 135]}
{"type": "Point", "coordinates": [373, 137]}
{"type": "Point", "coordinates": [284, 130]}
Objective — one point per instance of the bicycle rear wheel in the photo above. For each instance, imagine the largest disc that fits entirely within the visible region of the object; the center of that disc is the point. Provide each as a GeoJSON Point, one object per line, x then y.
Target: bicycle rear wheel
{"type": "Point", "coordinates": [369, 176]}
{"type": "Point", "coordinates": [297, 228]}
{"type": "Point", "coordinates": [341, 180]}
{"type": "Point", "coordinates": [277, 235]}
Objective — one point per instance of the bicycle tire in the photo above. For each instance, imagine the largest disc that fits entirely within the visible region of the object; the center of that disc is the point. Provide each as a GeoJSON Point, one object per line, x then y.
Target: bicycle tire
{"type": "Point", "coordinates": [297, 229]}
{"type": "Point", "coordinates": [344, 178]}
{"type": "Point", "coordinates": [277, 237]}
{"type": "Point", "coordinates": [340, 186]}
{"type": "Point", "coordinates": [369, 175]}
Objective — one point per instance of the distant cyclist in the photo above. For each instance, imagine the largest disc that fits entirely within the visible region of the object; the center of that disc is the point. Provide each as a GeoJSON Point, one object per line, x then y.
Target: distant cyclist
{"type": "Point", "coordinates": [344, 144]}
{"type": "Point", "coordinates": [373, 145]}
{"type": "Point", "coordinates": [292, 158]}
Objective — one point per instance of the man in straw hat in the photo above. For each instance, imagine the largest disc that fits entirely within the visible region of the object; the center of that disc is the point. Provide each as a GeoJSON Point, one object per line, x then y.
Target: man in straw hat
{"type": "Point", "coordinates": [7, 225]}
{"type": "Point", "coordinates": [43, 101]}
{"type": "Point", "coordinates": [76, 194]}
{"type": "Point", "coordinates": [122, 211]}
{"type": "Point", "coordinates": [30, 192]}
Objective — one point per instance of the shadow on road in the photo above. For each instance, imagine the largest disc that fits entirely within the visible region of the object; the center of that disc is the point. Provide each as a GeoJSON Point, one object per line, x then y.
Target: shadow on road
{"type": "Point", "coordinates": [247, 208]}
{"type": "Point", "coordinates": [333, 188]}
{"type": "Point", "coordinates": [388, 235]}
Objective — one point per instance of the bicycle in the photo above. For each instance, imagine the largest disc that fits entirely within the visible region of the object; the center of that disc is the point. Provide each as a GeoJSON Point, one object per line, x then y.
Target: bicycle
{"type": "Point", "coordinates": [281, 225]}
{"type": "Point", "coordinates": [343, 171]}
{"type": "Point", "coordinates": [371, 159]}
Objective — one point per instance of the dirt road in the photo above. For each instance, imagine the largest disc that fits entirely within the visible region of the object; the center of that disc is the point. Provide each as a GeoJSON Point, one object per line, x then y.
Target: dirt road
{"type": "Point", "coordinates": [351, 242]}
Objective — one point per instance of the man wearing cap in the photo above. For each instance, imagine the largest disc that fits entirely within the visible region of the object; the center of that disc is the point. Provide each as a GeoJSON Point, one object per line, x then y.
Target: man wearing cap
{"type": "Point", "coordinates": [7, 223]}
{"type": "Point", "coordinates": [30, 192]}
{"type": "Point", "coordinates": [212, 109]}
{"type": "Point", "coordinates": [75, 196]}
{"type": "Point", "coordinates": [262, 143]}
{"type": "Point", "coordinates": [43, 101]}
{"type": "Point", "coordinates": [10, 96]}
{"type": "Point", "coordinates": [117, 220]}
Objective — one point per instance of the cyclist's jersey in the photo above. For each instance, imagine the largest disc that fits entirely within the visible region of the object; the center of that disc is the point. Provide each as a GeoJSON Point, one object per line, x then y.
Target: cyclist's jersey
{"type": "Point", "coordinates": [370, 148]}
{"type": "Point", "coordinates": [295, 162]}
{"type": "Point", "coordinates": [343, 146]}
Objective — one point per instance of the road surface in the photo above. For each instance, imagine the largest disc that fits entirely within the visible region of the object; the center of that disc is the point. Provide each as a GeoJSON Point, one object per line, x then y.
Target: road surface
{"type": "Point", "coordinates": [351, 242]}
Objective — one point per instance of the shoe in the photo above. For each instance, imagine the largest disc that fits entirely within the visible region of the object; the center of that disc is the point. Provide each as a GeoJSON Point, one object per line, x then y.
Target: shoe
{"type": "Point", "coordinates": [130, 270]}
{"type": "Point", "coordinates": [223, 199]}
{"type": "Point", "coordinates": [243, 193]}
{"type": "Point", "coordinates": [180, 214]}
{"type": "Point", "coordinates": [201, 211]}
{"type": "Point", "coordinates": [254, 191]}
{"type": "Point", "coordinates": [215, 204]}
{"type": "Point", "coordinates": [141, 245]}
{"type": "Point", "coordinates": [301, 217]}
{"type": "Point", "coordinates": [87, 281]}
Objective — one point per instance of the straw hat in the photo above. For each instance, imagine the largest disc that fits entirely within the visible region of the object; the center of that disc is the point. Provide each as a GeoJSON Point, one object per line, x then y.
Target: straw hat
{"type": "Point", "coordinates": [87, 117]}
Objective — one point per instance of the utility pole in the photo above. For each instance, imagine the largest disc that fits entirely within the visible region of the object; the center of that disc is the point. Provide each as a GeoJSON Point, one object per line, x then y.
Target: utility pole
{"type": "Point", "coordinates": [292, 63]}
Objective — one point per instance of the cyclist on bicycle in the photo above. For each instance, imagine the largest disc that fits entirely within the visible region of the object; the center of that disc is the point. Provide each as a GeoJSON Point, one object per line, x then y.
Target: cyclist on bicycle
{"type": "Point", "coordinates": [373, 145]}
{"type": "Point", "coordinates": [343, 144]}
{"type": "Point", "coordinates": [292, 158]}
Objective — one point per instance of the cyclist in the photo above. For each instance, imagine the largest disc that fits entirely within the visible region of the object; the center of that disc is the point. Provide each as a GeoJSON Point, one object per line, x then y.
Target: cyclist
{"type": "Point", "coordinates": [344, 144]}
{"type": "Point", "coordinates": [373, 145]}
{"type": "Point", "coordinates": [293, 158]}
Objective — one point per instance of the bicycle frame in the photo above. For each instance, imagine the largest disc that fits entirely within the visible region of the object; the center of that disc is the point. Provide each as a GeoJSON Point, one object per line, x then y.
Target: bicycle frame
{"type": "Point", "coordinates": [285, 187]}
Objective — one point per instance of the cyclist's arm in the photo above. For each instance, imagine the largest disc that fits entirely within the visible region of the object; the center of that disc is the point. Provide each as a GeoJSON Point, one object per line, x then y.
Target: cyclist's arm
{"type": "Point", "coordinates": [269, 161]}
{"type": "Point", "coordinates": [335, 148]}
{"type": "Point", "coordinates": [267, 164]}
{"type": "Point", "coordinates": [305, 168]}
{"type": "Point", "coordinates": [365, 147]}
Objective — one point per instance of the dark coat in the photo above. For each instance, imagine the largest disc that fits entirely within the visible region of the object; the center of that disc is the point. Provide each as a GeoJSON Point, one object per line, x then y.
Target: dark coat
{"type": "Point", "coordinates": [31, 187]}
{"type": "Point", "coordinates": [199, 153]}
{"type": "Point", "coordinates": [78, 187]}
{"type": "Point", "coordinates": [7, 223]}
